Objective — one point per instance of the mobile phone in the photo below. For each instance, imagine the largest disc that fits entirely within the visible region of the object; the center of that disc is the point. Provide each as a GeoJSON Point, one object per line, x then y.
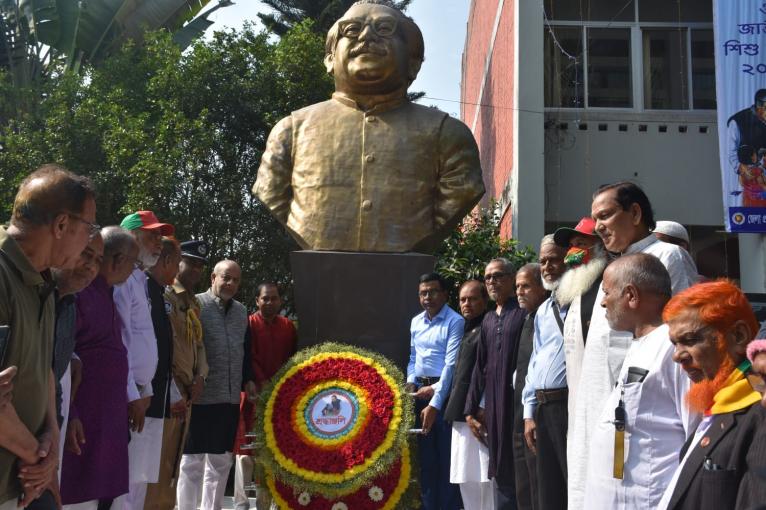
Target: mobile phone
{"type": "Point", "coordinates": [5, 333]}
{"type": "Point", "coordinates": [636, 374]}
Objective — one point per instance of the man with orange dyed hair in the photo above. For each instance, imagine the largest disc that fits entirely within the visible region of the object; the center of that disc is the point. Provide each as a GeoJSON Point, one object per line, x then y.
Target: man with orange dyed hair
{"type": "Point", "coordinates": [711, 325]}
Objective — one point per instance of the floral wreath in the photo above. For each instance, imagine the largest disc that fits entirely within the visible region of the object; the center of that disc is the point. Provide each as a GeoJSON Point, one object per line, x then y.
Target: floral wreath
{"type": "Point", "coordinates": [389, 491]}
{"type": "Point", "coordinates": [332, 420]}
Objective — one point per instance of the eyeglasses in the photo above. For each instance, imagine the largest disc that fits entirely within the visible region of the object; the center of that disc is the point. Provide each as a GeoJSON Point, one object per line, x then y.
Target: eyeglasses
{"type": "Point", "coordinates": [93, 228]}
{"type": "Point", "coordinates": [429, 293]}
{"type": "Point", "coordinates": [494, 276]}
{"type": "Point", "coordinates": [384, 26]}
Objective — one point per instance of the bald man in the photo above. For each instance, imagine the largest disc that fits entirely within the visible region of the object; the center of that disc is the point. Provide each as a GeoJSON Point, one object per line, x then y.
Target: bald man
{"type": "Point", "coordinates": [208, 453]}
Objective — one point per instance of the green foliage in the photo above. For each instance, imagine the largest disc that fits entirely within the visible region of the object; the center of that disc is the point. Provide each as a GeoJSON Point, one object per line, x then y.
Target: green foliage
{"type": "Point", "coordinates": [323, 12]}
{"type": "Point", "coordinates": [178, 133]}
{"type": "Point", "coordinates": [476, 241]}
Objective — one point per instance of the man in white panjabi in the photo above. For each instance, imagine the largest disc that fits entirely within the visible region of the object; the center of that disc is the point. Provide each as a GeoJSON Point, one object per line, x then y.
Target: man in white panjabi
{"type": "Point", "coordinates": [469, 458]}
{"type": "Point", "coordinates": [624, 220]}
{"type": "Point", "coordinates": [645, 421]}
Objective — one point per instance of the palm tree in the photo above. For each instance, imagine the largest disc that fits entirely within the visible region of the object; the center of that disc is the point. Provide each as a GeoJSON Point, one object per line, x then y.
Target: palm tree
{"type": "Point", "coordinates": [323, 12]}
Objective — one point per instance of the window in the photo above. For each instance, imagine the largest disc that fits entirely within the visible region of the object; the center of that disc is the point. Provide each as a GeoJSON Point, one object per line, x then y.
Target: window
{"type": "Point", "coordinates": [640, 54]}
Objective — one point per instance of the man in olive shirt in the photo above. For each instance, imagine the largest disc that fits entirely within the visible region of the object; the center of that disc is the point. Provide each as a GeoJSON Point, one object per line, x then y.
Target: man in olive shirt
{"type": "Point", "coordinates": [52, 220]}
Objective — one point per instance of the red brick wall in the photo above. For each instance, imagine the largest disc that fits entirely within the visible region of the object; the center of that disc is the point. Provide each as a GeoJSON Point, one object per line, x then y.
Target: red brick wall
{"type": "Point", "coordinates": [494, 128]}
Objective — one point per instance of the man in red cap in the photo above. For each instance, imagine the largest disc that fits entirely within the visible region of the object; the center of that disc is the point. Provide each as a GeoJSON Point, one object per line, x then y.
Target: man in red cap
{"type": "Point", "coordinates": [587, 259]}
{"type": "Point", "coordinates": [140, 340]}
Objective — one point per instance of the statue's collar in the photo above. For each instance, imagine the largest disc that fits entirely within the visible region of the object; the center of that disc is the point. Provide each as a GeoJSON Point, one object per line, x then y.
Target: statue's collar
{"type": "Point", "coordinates": [379, 105]}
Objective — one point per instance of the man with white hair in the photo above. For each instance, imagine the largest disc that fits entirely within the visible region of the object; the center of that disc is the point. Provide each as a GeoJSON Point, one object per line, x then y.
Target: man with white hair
{"type": "Point", "coordinates": [672, 232]}
{"type": "Point", "coordinates": [208, 456]}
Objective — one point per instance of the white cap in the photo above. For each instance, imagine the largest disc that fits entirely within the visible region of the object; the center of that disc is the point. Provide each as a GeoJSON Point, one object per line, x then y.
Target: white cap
{"type": "Point", "coordinates": [672, 229]}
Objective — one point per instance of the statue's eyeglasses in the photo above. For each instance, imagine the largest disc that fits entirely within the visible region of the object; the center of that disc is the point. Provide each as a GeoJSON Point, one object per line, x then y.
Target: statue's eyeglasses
{"type": "Point", "coordinates": [385, 26]}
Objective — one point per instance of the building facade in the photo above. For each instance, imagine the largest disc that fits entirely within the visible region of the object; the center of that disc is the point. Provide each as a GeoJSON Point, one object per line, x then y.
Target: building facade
{"type": "Point", "coordinates": [565, 95]}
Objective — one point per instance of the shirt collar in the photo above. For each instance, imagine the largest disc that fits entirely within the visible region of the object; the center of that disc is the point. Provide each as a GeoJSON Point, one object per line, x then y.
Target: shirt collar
{"type": "Point", "coordinates": [469, 325]}
{"type": "Point", "coordinates": [16, 257]}
{"type": "Point", "coordinates": [388, 102]}
{"type": "Point", "coordinates": [177, 287]}
{"type": "Point", "coordinates": [439, 316]}
{"type": "Point", "coordinates": [641, 245]}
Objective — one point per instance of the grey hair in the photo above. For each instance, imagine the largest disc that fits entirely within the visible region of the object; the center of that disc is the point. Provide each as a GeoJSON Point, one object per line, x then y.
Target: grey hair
{"type": "Point", "coordinates": [533, 269]}
{"type": "Point", "coordinates": [117, 240]}
{"type": "Point", "coordinates": [547, 239]}
{"type": "Point", "coordinates": [643, 271]}
{"type": "Point", "coordinates": [504, 263]}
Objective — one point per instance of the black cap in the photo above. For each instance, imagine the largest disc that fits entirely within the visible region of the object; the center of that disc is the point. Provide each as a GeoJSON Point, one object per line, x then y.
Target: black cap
{"type": "Point", "coordinates": [195, 249]}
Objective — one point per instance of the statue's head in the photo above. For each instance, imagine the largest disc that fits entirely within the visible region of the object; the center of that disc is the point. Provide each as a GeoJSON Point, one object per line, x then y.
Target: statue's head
{"type": "Point", "coordinates": [373, 49]}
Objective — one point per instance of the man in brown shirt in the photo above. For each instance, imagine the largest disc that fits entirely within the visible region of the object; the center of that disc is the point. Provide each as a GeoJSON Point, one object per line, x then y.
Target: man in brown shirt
{"type": "Point", "coordinates": [52, 220]}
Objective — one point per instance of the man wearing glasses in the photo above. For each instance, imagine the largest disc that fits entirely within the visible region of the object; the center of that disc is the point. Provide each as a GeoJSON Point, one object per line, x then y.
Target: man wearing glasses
{"type": "Point", "coordinates": [368, 170]}
{"type": "Point", "coordinates": [434, 343]}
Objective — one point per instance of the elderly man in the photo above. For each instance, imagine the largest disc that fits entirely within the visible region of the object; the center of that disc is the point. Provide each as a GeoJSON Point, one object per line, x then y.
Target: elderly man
{"type": "Point", "coordinates": [131, 299]}
{"type": "Point", "coordinates": [645, 422]}
{"type": "Point", "coordinates": [435, 338]}
{"type": "Point", "coordinates": [326, 171]}
{"type": "Point", "coordinates": [756, 353]}
{"type": "Point", "coordinates": [167, 402]}
{"type": "Point", "coordinates": [711, 325]}
{"type": "Point", "coordinates": [273, 339]}
{"type": "Point", "coordinates": [586, 259]}
{"type": "Point", "coordinates": [490, 398]}
{"type": "Point", "coordinates": [545, 387]}
{"type": "Point", "coordinates": [531, 294]}
{"type": "Point", "coordinates": [51, 222]}
{"type": "Point", "coordinates": [95, 465]}
{"type": "Point", "coordinates": [624, 220]}
{"type": "Point", "coordinates": [469, 458]}
{"type": "Point", "coordinates": [208, 452]}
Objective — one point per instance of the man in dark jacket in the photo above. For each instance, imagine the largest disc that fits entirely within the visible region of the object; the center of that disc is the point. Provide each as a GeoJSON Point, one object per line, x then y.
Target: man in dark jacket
{"type": "Point", "coordinates": [469, 457]}
{"type": "Point", "coordinates": [530, 293]}
{"type": "Point", "coordinates": [711, 325]}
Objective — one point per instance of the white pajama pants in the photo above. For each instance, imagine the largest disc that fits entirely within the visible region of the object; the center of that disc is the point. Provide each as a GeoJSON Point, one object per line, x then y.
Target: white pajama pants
{"type": "Point", "coordinates": [243, 475]}
{"type": "Point", "coordinates": [478, 495]}
{"type": "Point", "coordinates": [211, 471]}
{"type": "Point", "coordinates": [66, 394]}
{"type": "Point", "coordinates": [85, 505]}
{"type": "Point", "coordinates": [144, 452]}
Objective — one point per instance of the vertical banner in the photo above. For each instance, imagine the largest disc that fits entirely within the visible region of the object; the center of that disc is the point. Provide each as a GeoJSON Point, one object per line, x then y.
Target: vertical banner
{"type": "Point", "coordinates": [740, 58]}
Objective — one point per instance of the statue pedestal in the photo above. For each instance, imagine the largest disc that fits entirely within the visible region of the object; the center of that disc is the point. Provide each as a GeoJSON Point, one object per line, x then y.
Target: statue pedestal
{"type": "Point", "coordinates": [364, 299]}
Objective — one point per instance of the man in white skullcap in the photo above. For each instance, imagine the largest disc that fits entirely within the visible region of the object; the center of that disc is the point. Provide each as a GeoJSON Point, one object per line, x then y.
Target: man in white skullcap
{"type": "Point", "coordinates": [673, 233]}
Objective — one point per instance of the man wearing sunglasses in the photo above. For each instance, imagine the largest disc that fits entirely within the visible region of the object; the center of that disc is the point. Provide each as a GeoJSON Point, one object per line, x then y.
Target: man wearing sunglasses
{"type": "Point", "coordinates": [368, 170]}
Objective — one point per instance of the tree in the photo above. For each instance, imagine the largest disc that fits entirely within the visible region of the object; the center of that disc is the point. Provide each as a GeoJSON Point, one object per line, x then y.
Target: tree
{"type": "Point", "coordinates": [180, 133]}
{"type": "Point", "coordinates": [324, 13]}
{"type": "Point", "coordinates": [476, 241]}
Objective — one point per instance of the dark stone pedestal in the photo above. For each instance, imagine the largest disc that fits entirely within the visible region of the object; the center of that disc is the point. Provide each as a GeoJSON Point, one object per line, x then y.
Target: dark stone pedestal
{"type": "Point", "coordinates": [364, 299]}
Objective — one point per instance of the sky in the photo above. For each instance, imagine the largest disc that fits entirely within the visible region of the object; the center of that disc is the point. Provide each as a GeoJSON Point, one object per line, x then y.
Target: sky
{"type": "Point", "coordinates": [443, 23]}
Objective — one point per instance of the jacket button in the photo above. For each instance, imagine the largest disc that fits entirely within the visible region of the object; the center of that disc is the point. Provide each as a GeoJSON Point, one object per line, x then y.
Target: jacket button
{"type": "Point", "coordinates": [366, 205]}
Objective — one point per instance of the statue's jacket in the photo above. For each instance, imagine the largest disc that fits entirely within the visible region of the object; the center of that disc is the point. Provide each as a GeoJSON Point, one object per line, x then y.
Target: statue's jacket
{"type": "Point", "coordinates": [395, 178]}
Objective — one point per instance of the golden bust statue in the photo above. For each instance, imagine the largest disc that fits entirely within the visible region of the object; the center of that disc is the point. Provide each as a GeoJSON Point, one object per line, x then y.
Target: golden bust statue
{"type": "Point", "coordinates": [369, 170]}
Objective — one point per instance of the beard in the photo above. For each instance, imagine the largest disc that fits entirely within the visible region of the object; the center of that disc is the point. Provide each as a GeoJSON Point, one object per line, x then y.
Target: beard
{"type": "Point", "coordinates": [701, 395]}
{"type": "Point", "coordinates": [551, 286]}
{"type": "Point", "coordinates": [147, 259]}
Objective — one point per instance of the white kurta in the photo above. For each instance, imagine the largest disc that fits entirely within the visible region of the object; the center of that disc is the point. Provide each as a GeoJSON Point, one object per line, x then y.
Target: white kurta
{"type": "Point", "coordinates": [602, 360]}
{"type": "Point", "coordinates": [469, 459]}
{"type": "Point", "coordinates": [657, 425]}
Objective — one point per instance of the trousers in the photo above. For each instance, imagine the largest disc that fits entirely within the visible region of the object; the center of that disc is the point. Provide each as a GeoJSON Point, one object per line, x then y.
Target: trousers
{"type": "Point", "coordinates": [437, 493]}
{"type": "Point", "coordinates": [552, 419]}
{"type": "Point", "coordinates": [206, 470]}
{"type": "Point", "coordinates": [525, 471]}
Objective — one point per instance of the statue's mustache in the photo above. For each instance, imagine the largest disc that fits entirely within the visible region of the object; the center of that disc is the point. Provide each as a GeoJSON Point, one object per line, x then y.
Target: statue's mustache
{"type": "Point", "coordinates": [368, 48]}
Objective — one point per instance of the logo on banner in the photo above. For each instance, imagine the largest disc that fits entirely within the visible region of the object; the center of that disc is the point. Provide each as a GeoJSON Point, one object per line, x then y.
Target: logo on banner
{"type": "Point", "coordinates": [332, 413]}
{"type": "Point", "coordinates": [738, 218]}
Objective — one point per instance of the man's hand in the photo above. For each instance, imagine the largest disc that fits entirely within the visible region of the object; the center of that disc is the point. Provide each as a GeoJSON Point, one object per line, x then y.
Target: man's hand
{"type": "Point", "coordinates": [428, 417]}
{"type": "Point", "coordinates": [178, 410]}
{"type": "Point", "coordinates": [251, 391]}
{"type": "Point", "coordinates": [477, 427]}
{"type": "Point", "coordinates": [75, 436]}
{"type": "Point", "coordinates": [6, 385]}
{"type": "Point", "coordinates": [424, 393]}
{"type": "Point", "coordinates": [137, 413]}
{"type": "Point", "coordinates": [198, 384]}
{"type": "Point", "coordinates": [35, 478]}
{"type": "Point", "coordinates": [530, 434]}
{"type": "Point", "coordinates": [410, 387]}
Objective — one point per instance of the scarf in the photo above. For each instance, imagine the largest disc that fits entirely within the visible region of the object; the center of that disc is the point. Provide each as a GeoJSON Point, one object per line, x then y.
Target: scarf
{"type": "Point", "coordinates": [577, 257]}
{"type": "Point", "coordinates": [737, 394]}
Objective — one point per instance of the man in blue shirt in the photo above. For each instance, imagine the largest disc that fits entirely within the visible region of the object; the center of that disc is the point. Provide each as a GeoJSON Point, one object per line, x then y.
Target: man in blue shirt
{"type": "Point", "coordinates": [545, 388]}
{"type": "Point", "coordinates": [434, 343]}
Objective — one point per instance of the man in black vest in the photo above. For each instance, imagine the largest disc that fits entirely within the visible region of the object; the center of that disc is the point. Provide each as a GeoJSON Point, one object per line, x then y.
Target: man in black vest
{"type": "Point", "coordinates": [746, 127]}
{"type": "Point", "coordinates": [469, 457]}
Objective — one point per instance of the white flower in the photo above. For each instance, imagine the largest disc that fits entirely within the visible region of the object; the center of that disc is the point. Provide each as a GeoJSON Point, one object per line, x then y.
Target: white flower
{"type": "Point", "coordinates": [339, 506]}
{"type": "Point", "coordinates": [304, 498]}
{"type": "Point", "coordinates": [375, 493]}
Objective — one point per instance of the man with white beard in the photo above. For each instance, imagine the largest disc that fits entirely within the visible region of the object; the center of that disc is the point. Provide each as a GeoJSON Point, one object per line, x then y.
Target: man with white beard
{"type": "Point", "coordinates": [586, 259]}
{"type": "Point", "coordinates": [132, 303]}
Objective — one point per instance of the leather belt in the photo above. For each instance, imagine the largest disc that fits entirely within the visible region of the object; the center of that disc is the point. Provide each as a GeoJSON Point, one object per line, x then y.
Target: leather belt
{"type": "Point", "coordinates": [548, 396]}
{"type": "Point", "coordinates": [426, 381]}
